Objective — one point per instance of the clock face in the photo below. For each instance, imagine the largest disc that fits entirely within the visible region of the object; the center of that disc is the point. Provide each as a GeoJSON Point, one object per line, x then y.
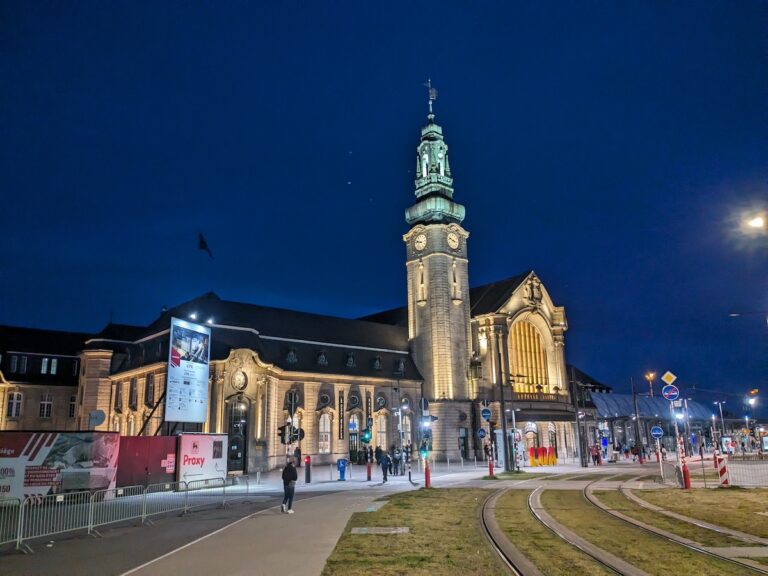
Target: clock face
{"type": "Point", "coordinates": [239, 380]}
{"type": "Point", "coordinates": [453, 241]}
{"type": "Point", "coordinates": [420, 242]}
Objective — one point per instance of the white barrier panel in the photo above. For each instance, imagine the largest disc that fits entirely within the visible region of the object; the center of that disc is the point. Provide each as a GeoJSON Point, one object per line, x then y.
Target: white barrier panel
{"type": "Point", "coordinates": [205, 492]}
{"type": "Point", "coordinates": [164, 497]}
{"type": "Point", "coordinates": [672, 474]}
{"type": "Point", "coordinates": [752, 473]}
{"type": "Point", "coordinates": [116, 505]}
{"type": "Point", "coordinates": [54, 514]}
{"type": "Point", "coordinates": [10, 510]}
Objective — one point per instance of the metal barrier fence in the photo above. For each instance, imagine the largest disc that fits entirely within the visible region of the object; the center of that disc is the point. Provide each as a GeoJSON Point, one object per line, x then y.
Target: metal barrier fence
{"type": "Point", "coordinates": [671, 474]}
{"type": "Point", "coordinates": [10, 510]}
{"type": "Point", "coordinates": [751, 473]}
{"type": "Point", "coordinates": [39, 516]}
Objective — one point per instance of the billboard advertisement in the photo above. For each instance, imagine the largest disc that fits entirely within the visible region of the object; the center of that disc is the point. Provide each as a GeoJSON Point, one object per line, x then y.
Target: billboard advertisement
{"type": "Point", "coordinates": [186, 392]}
{"type": "Point", "coordinates": [40, 463]}
{"type": "Point", "coordinates": [201, 457]}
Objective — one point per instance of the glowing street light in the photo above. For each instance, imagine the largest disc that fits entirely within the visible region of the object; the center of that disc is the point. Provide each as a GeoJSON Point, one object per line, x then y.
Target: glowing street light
{"type": "Point", "coordinates": [650, 376]}
{"type": "Point", "coordinates": [756, 222]}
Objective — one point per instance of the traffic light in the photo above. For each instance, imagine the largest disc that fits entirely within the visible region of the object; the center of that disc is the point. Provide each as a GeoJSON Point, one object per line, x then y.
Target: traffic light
{"type": "Point", "coordinates": [296, 435]}
{"type": "Point", "coordinates": [424, 449]}
{"type": "Point", "coordinates": [432, 418]}
{"type": "Point", "coordinates": [366, 436]}
{"type": "Point", "coordinates": [283, 433]}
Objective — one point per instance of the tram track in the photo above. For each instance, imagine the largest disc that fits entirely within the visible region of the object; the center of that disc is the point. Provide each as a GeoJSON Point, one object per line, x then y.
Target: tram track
{"type": "Point", "coordinates": [587, 492]}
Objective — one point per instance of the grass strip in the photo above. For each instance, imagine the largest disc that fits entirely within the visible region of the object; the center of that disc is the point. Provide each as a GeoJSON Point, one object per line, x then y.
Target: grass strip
{"type": "Point", "coordinates": [548, 552]}
{"type": "Point", "coordinates": [523, 475]}
{"type": "Point", "coordinates": [445, 537]}
{"type": "Point", "coordinates": [615, 500]}
{"type": "Point", "coordinates": [734, 508]}
{"type": "Point", "coordinates": [634, 545]}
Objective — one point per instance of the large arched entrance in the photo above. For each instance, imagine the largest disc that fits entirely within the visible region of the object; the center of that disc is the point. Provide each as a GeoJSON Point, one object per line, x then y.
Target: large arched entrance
{"type": "Point", "coordinates": [237, 425]}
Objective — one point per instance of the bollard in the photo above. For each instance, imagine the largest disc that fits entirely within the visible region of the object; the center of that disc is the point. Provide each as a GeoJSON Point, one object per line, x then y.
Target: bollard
{"type": "Point", "coordinates": [490, 467]}
{"type": "Point", "coordinates": [448, 465]}
{"type": "Point", "coordinates": [368, 470]}
{"type": "Point", "coordinates": [427, 479]}
{"type": "Point", "coordinates": [307, 469]}
{"type": "Point", "coordinates": [686, 477]}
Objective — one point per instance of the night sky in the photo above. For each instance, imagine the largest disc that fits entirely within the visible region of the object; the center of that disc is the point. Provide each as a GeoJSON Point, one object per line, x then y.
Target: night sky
{"type": "Point", "coordinates": [611, 147]}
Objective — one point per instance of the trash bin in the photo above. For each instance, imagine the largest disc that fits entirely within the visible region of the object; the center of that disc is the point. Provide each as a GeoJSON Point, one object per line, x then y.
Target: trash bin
{"type": "Point", "coordinates": [341, 466]}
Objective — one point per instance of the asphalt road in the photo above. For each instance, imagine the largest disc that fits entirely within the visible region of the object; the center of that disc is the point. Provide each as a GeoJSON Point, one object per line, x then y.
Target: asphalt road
{"type": "Point", "coordinates": [128, 545]}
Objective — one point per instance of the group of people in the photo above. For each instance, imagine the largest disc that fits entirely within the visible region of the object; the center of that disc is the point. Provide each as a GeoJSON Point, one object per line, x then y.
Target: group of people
{"type": "Point", "coordinates": [393, 462]}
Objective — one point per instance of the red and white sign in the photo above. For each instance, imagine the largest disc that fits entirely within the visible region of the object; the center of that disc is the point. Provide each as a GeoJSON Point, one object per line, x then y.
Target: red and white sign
{"type": "Point", "coordinates": [202, 457]}
{"type": "Point", "coordinates": [39, 463]}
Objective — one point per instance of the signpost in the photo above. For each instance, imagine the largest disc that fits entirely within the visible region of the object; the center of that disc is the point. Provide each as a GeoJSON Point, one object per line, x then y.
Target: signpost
{"type": "Point", "coordinates": [486, 414]}
{"type": "Point", "coordinates": [657, 432]}
{"type": "Point", "coordinates": [481, 433]}
{"type": "Point", "coordinates": [672, 393]}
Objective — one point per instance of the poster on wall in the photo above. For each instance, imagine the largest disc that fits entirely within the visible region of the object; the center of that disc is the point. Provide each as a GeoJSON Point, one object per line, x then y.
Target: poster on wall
{"type": "Point", "coordinates": [40, 463]}
{"type": "Point", "coordinates": [201, 457]}
{"type": "Point", "coordinates": [186, 393]}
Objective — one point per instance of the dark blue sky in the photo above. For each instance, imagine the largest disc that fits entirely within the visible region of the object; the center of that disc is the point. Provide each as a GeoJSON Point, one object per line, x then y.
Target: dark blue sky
{"type": "Point", "coordinates": [609, 146]}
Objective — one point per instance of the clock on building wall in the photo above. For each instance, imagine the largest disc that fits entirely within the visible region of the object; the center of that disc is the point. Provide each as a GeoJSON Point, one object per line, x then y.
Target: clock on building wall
{"type": "Point", "coordinates": [420, 242]}
{"type": "Point", "coordinates": [453, 240]}
{"type": "Point", "coordinates": [239, 381]}
{"type": "Point", "coordinates": [381, 402]}
{"type": "Point", "coordinates": [324, 399]}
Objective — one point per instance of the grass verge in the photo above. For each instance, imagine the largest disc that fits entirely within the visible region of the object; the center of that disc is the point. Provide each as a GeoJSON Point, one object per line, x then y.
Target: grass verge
{"type": "Point", "coordinates": [548, 552]}
{"type": "Point", "coordinates": [444, 537]}
{"type": "Point", "coordinates": [636, 546]}
{"type": "Point", "coordinates": [523, 475]}
{"type": "Point", "coordinates": [734, 508]}
{"type": "Point", "coordinates": [614, 500]}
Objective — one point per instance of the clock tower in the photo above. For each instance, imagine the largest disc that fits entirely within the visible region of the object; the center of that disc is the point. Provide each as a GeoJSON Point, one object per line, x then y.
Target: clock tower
{"type": "Point", "coordinates": [438, 291]}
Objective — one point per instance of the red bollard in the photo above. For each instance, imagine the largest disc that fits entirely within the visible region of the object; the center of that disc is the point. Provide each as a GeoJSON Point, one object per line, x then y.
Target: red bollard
{"type": "Point", "coordinates": [427, 482]}
{"type": "Point", "coordinates": [490, 468]}
{"type": "Point", "coordinates": [368, 470]}
{"type": "Point", "coordinates": [686, 477]}
{"type": "Point", "coordinates": [657, 457]}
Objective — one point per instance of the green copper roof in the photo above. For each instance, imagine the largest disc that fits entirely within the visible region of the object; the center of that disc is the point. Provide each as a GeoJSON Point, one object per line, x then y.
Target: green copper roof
{"type": "Point", "coordinates": [434, 184]}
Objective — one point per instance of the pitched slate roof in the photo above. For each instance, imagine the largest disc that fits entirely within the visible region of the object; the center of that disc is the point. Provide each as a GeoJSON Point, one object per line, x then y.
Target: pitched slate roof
{"type": "Point", "coordinates": [485, 299]}
{"type": "Point", "coordinates": [585, 379]}
{"type": "Point", "coordinates": [38, 341]}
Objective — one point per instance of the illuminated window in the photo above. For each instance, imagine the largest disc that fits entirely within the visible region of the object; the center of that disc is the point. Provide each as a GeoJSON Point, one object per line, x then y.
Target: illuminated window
{"type": "Point", "coordinates": [149, 390]}
{"type": "Point", "coordinates": [381, 431]}
{"type": "Point", "coordinates": [133, 394]}
{"type": "Point", "coordinates": [324, 437]}
{"type": "Point", "coordinates": [14, 363]}
{"type": "Point", "coordinates": [529, 358]}
{"type": "Point", "coordinates": [44, 366]}
{"type": "Point", "coordinates": [46, 405]}
{"type": "Point", "coordinates": [119, 398]}
{"type": "Point", "coordinates": [14, 405]}
{"type": "Point", "coordinates": [23, 368]}
{"type": "Point", "coordinates": [54, 365]}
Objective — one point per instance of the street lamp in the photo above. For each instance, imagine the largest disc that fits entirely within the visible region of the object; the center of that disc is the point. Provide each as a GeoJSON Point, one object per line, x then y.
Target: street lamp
{"type": "Point", "coordinates": [650, 377]}
{"type": "Point", "coordinates": [722, 420]}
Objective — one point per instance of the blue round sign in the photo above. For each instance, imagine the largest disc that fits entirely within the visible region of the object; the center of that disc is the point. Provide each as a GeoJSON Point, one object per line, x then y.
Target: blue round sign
{"type": "Point", "coordinates": [670, 392]}
{"type": "Point", "coordinates": [481, 433]}
{"type": "Point", "coordinates": [657, 432]}
{"type": "Point", "coordinates": [486, 414]}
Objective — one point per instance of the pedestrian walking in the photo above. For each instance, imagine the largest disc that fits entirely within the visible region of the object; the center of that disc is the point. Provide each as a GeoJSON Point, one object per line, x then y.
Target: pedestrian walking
{"type": "Point", "coordinates": [377, 454]}
{"type": "Point", "coordinates": [385, 464]}
{"type": "Point", "coordinates": [397, 460]}
{"type": "Point", "coordinates": [289, 486]}
{"type": "Point", "coordinates": [297, 456]}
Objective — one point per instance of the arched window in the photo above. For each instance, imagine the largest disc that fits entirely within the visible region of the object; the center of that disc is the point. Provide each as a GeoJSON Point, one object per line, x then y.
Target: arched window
{"type": "Point", "coordinates": [381, 431]}
{"type": "Point", "coordinates": [529, 357]}
{"type": "Point", "coordinates": [14, 405]}
{"type": "Point", "coordinates": [407, 436]}
{"type": "Point", "coordinates": [324, 435]}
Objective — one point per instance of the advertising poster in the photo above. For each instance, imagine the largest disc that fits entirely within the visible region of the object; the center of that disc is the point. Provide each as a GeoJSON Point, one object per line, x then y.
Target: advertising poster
{"type": "Point", "coordinates": [40, 463]}
{"type": "Point", "coordinates": [201, 457]}
{"type": "Point", "coordinates": [186, 392]}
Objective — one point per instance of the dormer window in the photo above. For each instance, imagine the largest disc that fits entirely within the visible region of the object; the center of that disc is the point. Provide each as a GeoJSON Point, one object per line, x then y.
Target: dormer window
{"type": "Point", "coordinates": [292, 357]}
{"type": "Point", "coordinates": [400, 368]}
{"type": "Point", "coordinates": [377, 363]}
{"type": "Point", "coordinates": [322, 358]}
{"type": "Point", "coordinates": [350, 363]}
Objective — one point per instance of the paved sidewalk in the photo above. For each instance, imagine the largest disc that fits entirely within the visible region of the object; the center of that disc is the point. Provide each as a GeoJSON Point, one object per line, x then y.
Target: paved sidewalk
{"type": "Point", "coordinates": [269, 542]}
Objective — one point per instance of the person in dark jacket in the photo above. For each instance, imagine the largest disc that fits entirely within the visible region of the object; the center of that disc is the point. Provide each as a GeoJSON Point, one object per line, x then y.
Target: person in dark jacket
{"type": "Point", "coordinates": [289, 486]}
{"type": "Point", "coordinates": [377, 455]}
{"type": "Point", "coordinates": [386, 462]}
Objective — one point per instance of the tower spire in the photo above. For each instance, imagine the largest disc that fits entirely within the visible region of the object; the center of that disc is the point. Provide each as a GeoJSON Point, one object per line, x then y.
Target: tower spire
{"type": "Point", "coordinates": [432, 95]}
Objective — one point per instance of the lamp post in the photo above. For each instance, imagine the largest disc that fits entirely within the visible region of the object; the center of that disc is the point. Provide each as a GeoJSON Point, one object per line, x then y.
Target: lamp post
{"type": "Point", "coordinates": [503, 414]}
{"type": "Point", "coordinates": [722, 420]}
{"type": "Point", "coordinates": [650, 377]}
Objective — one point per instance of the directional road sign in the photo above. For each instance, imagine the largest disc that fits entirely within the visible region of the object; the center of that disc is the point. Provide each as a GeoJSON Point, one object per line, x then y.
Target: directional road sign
{"type": "Point", "coordinates": [481, 433]}
{"type": "Point", "coordinates": [670, 392]}
{"type": "Point", "coordinates": [657, 432]}
{"type": "Point", "coordinates": [486, 414]}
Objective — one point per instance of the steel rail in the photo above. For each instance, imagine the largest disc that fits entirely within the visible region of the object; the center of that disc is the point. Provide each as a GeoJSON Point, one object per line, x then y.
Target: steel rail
{"type": "Point", "coordinates": [485, 520]}
{"type": "Point", "coordinates": [667, 536]}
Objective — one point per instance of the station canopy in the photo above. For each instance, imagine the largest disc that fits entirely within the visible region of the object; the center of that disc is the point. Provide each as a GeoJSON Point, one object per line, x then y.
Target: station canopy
{"type": "Point", "coordinates": [621, 406]}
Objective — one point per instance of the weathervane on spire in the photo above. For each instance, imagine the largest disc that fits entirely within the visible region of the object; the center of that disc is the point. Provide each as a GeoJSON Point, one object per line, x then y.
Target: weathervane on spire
{"type": "Point", "coordinates": [432, 96]}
